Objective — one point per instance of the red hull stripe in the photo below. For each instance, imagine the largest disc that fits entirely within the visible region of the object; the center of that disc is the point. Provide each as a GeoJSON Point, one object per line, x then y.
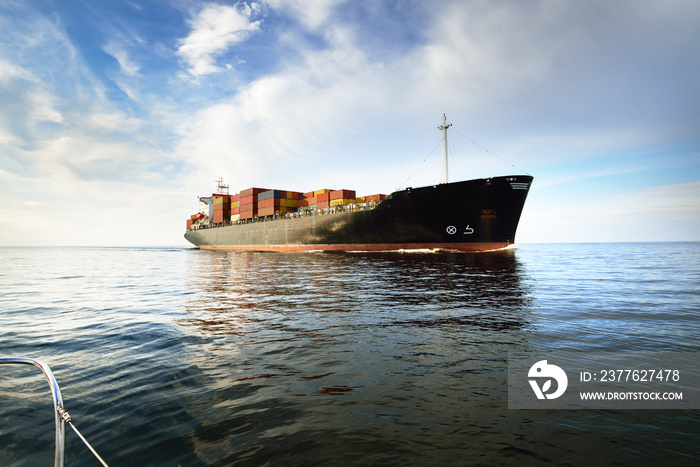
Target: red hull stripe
{"type": "Point", "coordinates": [464, 247]}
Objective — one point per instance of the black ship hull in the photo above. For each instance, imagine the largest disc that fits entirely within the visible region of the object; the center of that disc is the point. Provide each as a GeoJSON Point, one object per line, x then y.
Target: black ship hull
{"type": "Point", "coordinates": [472, 215]}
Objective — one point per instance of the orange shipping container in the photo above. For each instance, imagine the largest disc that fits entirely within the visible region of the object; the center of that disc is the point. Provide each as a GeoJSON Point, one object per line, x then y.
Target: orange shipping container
{"type": "Point", "coordinates": [268, 203]}
{"type": "Point", "coordinates": [323, 197]}
{"type": "Point", "coordinates": [220, 217]}
{"type": "Point", "coordinates": [268, 211]}
{"type": "Point", "coordinates": [248, 211]}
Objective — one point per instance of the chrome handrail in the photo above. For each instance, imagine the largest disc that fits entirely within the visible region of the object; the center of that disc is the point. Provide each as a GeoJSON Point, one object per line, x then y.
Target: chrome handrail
{"type": "Point", "coordinates": [57, 402]}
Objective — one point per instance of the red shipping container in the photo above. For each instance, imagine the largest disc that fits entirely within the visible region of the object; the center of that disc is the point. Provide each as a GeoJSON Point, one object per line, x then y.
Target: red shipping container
{"type": "Point", "coordinates": [249, 199]}
{"type": "Point", "coordinates": [303, 202]}
{"type": "Point", "coordinates": [343, 194]}
{"type": "Point", "coordinates": [251, 192]}
{"type": "Point", "coordinates": [323, 198]}
{"type": "Point", "coordinates": [309, 194]}
{"type": "Point", "coordinates": [375, 197]}
{"type": "Point", "coordinates": [235, 210]}
{"type": "Point", "coordinates": [237, 197]}
{"type": "Point", "coordinates": [248, 211]}
{"type": "Point", "coordinates": [323, 204]}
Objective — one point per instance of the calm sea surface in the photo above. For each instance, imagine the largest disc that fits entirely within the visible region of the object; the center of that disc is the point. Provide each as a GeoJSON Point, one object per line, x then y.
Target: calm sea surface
{"type": "Point", "coordinates": [175, 356]}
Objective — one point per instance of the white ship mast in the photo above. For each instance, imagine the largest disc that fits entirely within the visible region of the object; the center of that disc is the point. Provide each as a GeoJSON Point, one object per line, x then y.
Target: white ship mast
{"type": "Point", "coordinates": [222, 188]}
{"type": "Point", "coordinates": [443, 128]}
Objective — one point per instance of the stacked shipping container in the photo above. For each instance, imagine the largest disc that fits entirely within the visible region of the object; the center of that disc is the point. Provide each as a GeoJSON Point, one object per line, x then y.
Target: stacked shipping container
{"type": "Point", "coordinates": [249, 202]}
{"type": "Point", "coordinates": [273, 202]}
{"type": "Point", "coordinates": [236, 207]}
{"type": "Point", "coordinates": [342, 197]}
{"type": "Point", "coordinates": [261, 202]}
{"type": "Point", "coordinates": [222, 208]}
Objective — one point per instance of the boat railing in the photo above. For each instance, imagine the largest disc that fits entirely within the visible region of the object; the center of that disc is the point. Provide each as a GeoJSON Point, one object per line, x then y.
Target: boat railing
{"type": "Point", "coordinates": [60, 414]}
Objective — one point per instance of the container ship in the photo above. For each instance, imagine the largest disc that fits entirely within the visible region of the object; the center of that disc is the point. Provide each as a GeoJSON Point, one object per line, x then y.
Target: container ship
{"type": "Point", "coordinates": [467, 216]}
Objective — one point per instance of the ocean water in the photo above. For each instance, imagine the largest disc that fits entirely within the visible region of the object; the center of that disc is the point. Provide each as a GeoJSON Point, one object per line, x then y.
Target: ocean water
{"type": "Point", "coordinates": [176, 356]}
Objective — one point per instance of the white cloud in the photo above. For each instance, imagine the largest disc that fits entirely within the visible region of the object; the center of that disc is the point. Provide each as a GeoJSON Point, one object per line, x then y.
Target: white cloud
{"type": "Point", "coordinates": [312, 14]}
{"type": "Point", "coordinates": [122, 56]}
{"type": "Point", "coordinates": [301, 120]}
{"type": "Point", "coordinates": [26, 104]}
{"type": "Point", "coordinates": [10, 72]}
{"type": "Point", "coordinates": [86, 139]}
{"type": "Point", "coordinates": [214, 30]}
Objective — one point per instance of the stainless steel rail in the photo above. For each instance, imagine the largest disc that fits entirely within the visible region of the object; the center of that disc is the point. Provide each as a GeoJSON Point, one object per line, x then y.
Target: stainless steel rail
{"type": "Point", "coordinates": [57, 402]}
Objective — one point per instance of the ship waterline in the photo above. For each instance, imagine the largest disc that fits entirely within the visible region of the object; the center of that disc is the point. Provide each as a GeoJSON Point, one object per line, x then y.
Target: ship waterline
{"type": "Point", "coordinates": [351, 247]}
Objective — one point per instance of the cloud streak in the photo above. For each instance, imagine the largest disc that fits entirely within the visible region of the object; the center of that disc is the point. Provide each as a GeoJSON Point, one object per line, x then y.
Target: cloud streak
{"type": "Point", "coordinates": [121, 55]}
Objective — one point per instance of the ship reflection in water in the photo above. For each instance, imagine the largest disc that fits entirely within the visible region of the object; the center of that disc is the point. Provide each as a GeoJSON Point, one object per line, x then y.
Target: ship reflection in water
{"type": "Point", "coordinates": [401, 343]}
{"type": "Point", "coordinates": [268, 297]}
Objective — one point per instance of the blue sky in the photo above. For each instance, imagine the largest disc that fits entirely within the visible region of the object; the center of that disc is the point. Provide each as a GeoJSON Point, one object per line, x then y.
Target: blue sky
{"type": "Point", "coordinates": [115, 115]}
